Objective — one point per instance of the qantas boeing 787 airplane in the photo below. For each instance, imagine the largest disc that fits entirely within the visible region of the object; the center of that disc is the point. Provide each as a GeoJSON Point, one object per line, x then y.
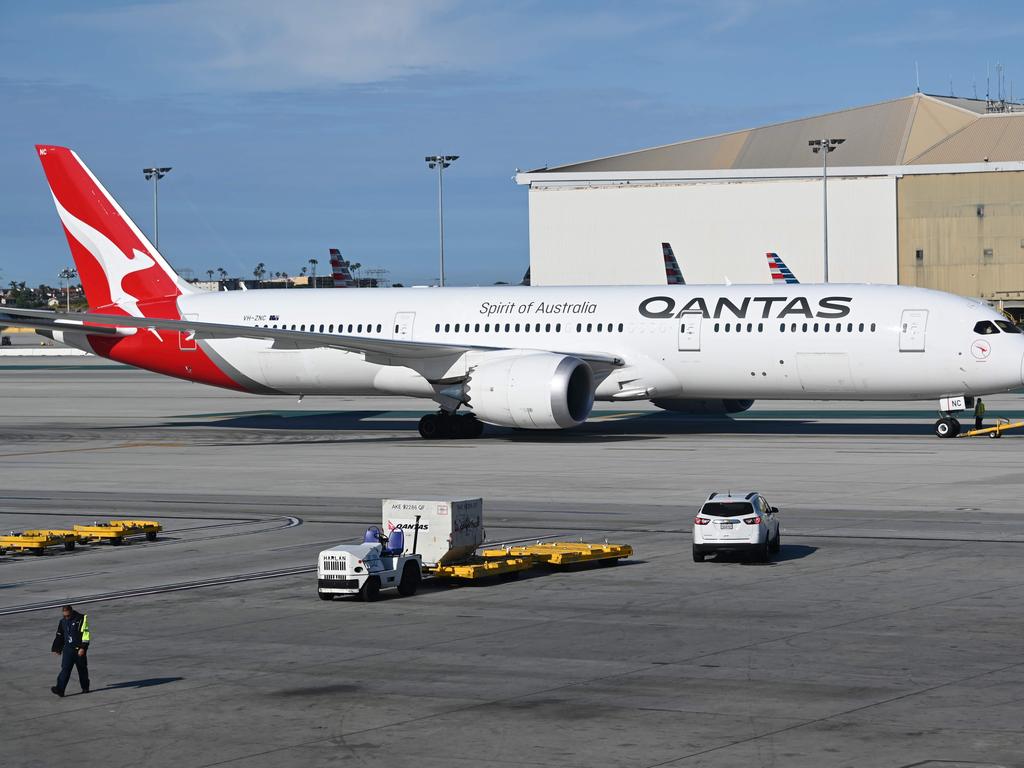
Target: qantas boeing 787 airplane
{"type": "Point", "coordinates": [528, 357]}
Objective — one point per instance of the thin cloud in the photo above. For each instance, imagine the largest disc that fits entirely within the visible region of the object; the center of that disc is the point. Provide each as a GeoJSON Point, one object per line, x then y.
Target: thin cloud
{"type": "Point", "coordinates": [268, 45]}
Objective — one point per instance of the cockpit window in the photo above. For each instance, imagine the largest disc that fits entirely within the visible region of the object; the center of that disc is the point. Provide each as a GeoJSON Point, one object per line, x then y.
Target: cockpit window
{"type": "Point", "coordinates": [1008, 327]}
{"type": "Point", "coordinates": [985, 328]}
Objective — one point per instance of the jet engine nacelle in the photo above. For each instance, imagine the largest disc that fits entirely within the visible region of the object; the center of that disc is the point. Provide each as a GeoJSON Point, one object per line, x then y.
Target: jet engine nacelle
{"type": "Point", "coordinates": [708, 406]}
{"type": "Point", "coordinates": [531, 390]}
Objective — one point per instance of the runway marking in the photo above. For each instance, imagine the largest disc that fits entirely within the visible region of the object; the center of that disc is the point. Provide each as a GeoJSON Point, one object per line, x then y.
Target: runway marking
{"type": "Point", "coordinates": [44, 367]}
{"type": "Point", "coordinates": [52, 578]}
{"type": "Point", "coordinates": [97, 448]}
{"type": "Point", "coordinates": [159, 589]}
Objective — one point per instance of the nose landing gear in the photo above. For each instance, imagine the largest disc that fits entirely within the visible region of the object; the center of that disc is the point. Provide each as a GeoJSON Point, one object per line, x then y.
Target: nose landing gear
{"type": "Point", "coordinates": [947, 426]}
{"type": "Point", "coordinates": [448, 426]}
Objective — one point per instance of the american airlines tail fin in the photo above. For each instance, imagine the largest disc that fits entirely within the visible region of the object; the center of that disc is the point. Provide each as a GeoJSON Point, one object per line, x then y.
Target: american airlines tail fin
{"type": "Point", "coordinates": [340, 271]}
{"type": "Point", "coordinates": [118, 266]}
{"type": "Point", "coordinates": [780, 272]}
{"type": "Point", "coordinates": [673, 274]}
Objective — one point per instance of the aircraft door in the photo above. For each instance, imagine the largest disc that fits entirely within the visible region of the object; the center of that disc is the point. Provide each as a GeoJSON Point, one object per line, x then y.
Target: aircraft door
{"type": "Point", "coordinates": [403, 325]}
{"type": "Point", "coordinates": [187, 339]}
{"type": "Point", "coordinates": [689, 325]}
{"type": "Point", "coordinates": [913, 325]}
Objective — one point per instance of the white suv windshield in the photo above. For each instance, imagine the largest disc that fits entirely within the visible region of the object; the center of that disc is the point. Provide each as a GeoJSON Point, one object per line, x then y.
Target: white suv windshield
{"type": "Point", "coordinates": [727, 508]}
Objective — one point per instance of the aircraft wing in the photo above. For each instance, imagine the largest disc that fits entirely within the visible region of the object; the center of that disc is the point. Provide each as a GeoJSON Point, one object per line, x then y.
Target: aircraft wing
{"type": "Point", "coordinates": [383, 351]}
{"type": "Point", "coordinates": [50, 324]}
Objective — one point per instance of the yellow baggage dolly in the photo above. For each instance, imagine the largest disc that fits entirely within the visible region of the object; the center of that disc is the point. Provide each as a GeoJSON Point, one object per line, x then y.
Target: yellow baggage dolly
{"type": "Point", "coordinates": [564, 552]}
{"type": "Point", "coordinates": [484, 568]}
{"type": "Point", "coordinates": [116, 531]}
{"type": "Point", "coordinates": [37, 541]}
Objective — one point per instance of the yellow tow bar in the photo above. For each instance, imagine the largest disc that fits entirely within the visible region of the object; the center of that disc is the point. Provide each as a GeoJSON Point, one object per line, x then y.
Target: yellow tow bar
{"type": "Point", "coordinates": [1002, 425]}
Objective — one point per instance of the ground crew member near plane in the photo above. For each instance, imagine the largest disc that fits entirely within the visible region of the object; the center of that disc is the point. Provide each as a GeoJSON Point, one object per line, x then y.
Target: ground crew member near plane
{"type": "Point", "coordinates": [71, 644]}
{"type": "Point", "coordinates": [979, 413]}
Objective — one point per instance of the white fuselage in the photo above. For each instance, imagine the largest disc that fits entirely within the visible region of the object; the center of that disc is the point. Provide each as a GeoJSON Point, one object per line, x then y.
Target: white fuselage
{"type": "Point", "coordinates": [836, 342]}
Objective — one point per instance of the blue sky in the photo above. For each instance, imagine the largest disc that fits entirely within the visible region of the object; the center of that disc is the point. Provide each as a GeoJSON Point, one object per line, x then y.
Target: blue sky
{"type": "Point", "coordinates": [294, 127]}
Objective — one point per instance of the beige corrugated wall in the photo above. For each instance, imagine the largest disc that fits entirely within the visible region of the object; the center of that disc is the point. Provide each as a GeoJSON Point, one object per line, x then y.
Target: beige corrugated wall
{"type": "Point", "coordinates": [938, 214]}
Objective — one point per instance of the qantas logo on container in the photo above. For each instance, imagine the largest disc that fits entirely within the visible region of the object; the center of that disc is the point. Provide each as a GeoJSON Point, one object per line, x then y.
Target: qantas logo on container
{"type": "Point", "coordinates": [828, 307]}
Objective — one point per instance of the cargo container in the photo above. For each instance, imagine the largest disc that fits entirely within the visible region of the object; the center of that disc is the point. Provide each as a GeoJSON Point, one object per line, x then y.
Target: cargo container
{"type": "Point", "coordinates": [441, 530]}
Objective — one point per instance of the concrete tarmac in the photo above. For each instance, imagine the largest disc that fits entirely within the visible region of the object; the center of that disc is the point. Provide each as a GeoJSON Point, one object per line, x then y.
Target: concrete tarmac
{"type": "Point", "coordinates": [886, 633]}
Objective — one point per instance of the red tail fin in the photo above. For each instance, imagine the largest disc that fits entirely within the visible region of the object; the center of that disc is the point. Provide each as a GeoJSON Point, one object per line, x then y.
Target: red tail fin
{"type": "Point", "coordinates": [673, 274]}
{"type": "Point", "coordinates": [340, 271]}
{"type": "Point", "coordinates": [118, 266]}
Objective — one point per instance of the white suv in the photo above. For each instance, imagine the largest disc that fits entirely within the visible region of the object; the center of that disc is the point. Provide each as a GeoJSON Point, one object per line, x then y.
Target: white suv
{"type": "Point", "coordinates": [736, 522]}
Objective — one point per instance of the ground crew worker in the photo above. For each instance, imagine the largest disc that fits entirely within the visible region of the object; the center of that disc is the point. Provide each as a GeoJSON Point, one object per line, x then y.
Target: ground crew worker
{"type": "Point", "coordinates": [979, 413]}
{"type": "Point", "coordinates": [71, 644]}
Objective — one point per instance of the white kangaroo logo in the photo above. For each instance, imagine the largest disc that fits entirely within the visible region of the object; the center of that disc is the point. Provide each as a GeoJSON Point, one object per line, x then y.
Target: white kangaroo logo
{"type": "Point", "coordinates": [115, 263]}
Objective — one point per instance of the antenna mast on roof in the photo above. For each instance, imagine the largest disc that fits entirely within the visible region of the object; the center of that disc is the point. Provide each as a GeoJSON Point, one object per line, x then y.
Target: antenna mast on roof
{"type": "Point", "coordinates": [917, 76]}
{"type": "Point", "coordinates": [951, 85]}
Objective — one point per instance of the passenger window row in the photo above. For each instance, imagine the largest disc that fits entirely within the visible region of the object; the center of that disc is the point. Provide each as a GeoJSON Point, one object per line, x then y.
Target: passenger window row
{"type": "Point", "coordinates": [796, 327]}
{"type": "Point", "coordinates": [526, 328]}
{"type": "Point", "coordinates": [314, 328]}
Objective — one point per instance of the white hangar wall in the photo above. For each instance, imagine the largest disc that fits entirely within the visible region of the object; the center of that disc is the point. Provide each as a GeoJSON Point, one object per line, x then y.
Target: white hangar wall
{"type": "Point", "coordinates": [611, 234]}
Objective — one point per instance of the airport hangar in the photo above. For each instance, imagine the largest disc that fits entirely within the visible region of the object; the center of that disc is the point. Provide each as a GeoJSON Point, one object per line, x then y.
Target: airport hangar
{"type": "Point", "coordinates": [926, 190]}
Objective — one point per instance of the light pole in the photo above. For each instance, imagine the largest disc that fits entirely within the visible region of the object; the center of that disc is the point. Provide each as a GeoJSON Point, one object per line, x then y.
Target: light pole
{"type": "Point", "coordinates": [440, 162]}
{"type": "Point", "coordinates": [68, 274]}
{"type": "Point", "coordinates": [824, 146]}
{"type": "Point", "coordinates": [156, 174]}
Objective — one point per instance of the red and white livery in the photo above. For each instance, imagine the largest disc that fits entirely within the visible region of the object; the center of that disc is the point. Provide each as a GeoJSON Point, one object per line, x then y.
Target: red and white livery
{"type": "Point", "coordinates": [527, 357]}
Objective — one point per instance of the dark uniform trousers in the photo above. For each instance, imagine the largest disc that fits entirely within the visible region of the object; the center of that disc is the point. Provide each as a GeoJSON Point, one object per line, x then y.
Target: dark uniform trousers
{"type": "Point", "coordinates": [69, 659]}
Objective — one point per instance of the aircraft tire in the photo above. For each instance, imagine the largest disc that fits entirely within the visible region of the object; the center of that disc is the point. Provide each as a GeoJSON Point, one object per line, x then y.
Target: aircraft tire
{"type": "Point", "coordinates": [466, 427]}
{"type": "Point", "coordinates": [430, 427]}
{"type": "Point", "coordinates": [947, 427]}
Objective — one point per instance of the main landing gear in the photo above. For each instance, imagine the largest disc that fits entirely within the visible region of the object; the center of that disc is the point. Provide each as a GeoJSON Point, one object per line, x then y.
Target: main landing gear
{"type": "Point", "coordinates": [439, 426]}
{"type": "Point", "coordinates": [947, 426]}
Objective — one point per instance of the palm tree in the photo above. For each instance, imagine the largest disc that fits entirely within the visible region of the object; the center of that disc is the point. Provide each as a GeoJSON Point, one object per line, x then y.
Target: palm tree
{"type": "Point", "coordinates": [260, 271]}
{"type": "Point", "coordinates": [355, 271]}
{"type": "Point", "coordinates": [313, 263]}
{"type": "Point", "coordinates": [209, 274]}
{"type": "Point", "coordinates": [223, 273]}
